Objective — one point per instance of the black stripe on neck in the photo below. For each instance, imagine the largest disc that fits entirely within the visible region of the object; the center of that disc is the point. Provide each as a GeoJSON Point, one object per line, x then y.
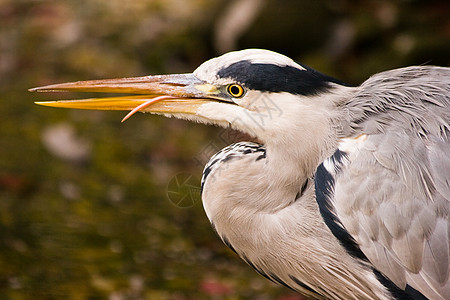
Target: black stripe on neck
{"type": "Point", "coordinates": [324, 184]}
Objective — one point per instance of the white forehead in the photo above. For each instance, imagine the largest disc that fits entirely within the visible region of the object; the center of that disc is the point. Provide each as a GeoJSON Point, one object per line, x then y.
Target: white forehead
{"type": "Point", "coordinates": [208, 70]}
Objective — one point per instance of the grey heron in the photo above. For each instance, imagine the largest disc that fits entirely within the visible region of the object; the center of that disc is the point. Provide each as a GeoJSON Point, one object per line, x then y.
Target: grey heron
{"type": "Point", "coordinates": [348, 194]}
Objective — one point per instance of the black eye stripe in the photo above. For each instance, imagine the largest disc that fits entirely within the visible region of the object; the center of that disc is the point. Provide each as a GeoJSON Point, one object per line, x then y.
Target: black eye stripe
{"type": "Point", "coordinates": [274, 78]}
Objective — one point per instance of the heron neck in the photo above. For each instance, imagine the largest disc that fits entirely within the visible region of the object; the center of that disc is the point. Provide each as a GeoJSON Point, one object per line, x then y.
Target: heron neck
{"type": "Point", "coordinates": [302, 151]}
{"type": "Point", "coordinates": [314, 131]}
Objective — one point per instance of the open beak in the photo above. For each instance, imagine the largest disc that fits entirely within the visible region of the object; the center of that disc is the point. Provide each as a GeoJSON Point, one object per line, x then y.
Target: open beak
{"type": "Point", "coordinates": [163, 94]}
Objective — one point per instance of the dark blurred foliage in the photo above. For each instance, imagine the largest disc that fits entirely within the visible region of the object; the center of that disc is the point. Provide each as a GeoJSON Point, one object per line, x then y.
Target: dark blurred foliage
{"type": "Point", "coordinates": [86, 210]}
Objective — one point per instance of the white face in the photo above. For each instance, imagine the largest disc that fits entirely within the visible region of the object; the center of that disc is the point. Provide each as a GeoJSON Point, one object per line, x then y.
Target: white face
{"type": "Point", "coordinates": [253, 111]}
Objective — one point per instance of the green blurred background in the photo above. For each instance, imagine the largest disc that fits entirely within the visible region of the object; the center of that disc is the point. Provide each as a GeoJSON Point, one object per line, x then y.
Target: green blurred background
{"type": "Point", "coordinates": [94, 209]}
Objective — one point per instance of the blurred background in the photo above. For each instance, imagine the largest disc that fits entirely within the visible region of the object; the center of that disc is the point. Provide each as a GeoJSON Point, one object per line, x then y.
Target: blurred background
{"type": "Point", "coordinates": [94, 209]}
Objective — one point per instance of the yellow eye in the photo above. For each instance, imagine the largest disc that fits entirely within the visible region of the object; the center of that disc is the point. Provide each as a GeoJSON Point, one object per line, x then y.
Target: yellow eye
{"type": "Point", "coordinates": [235, 90]}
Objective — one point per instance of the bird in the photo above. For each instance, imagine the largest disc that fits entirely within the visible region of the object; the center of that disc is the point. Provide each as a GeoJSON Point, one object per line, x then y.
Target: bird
{"type": "Point", "coordinates": [345, 194]}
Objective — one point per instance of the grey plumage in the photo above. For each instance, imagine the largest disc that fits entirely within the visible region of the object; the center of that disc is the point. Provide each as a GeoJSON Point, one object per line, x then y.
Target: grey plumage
{"type": "Point", "coordinates": [400, 177]}
{"type": "Point", "coordinates": [391, 192]}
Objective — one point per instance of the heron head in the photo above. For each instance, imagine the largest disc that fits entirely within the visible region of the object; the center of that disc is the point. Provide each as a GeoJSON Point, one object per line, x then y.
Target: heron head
{"type": "Point", "coordinates": [255, 91]}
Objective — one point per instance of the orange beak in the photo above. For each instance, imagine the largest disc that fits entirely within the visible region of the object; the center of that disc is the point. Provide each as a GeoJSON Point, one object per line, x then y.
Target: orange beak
{"type": "Point", "coordinates": [161, 94]}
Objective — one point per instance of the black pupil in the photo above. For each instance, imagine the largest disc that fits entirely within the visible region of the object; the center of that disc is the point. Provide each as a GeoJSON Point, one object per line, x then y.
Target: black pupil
{"type": "Point", "coordinates": [235, 90]}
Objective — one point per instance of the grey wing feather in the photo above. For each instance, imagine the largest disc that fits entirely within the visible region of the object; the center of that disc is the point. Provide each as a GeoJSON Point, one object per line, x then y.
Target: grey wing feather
{"type": "Point", "coordinates": [393, 193]}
